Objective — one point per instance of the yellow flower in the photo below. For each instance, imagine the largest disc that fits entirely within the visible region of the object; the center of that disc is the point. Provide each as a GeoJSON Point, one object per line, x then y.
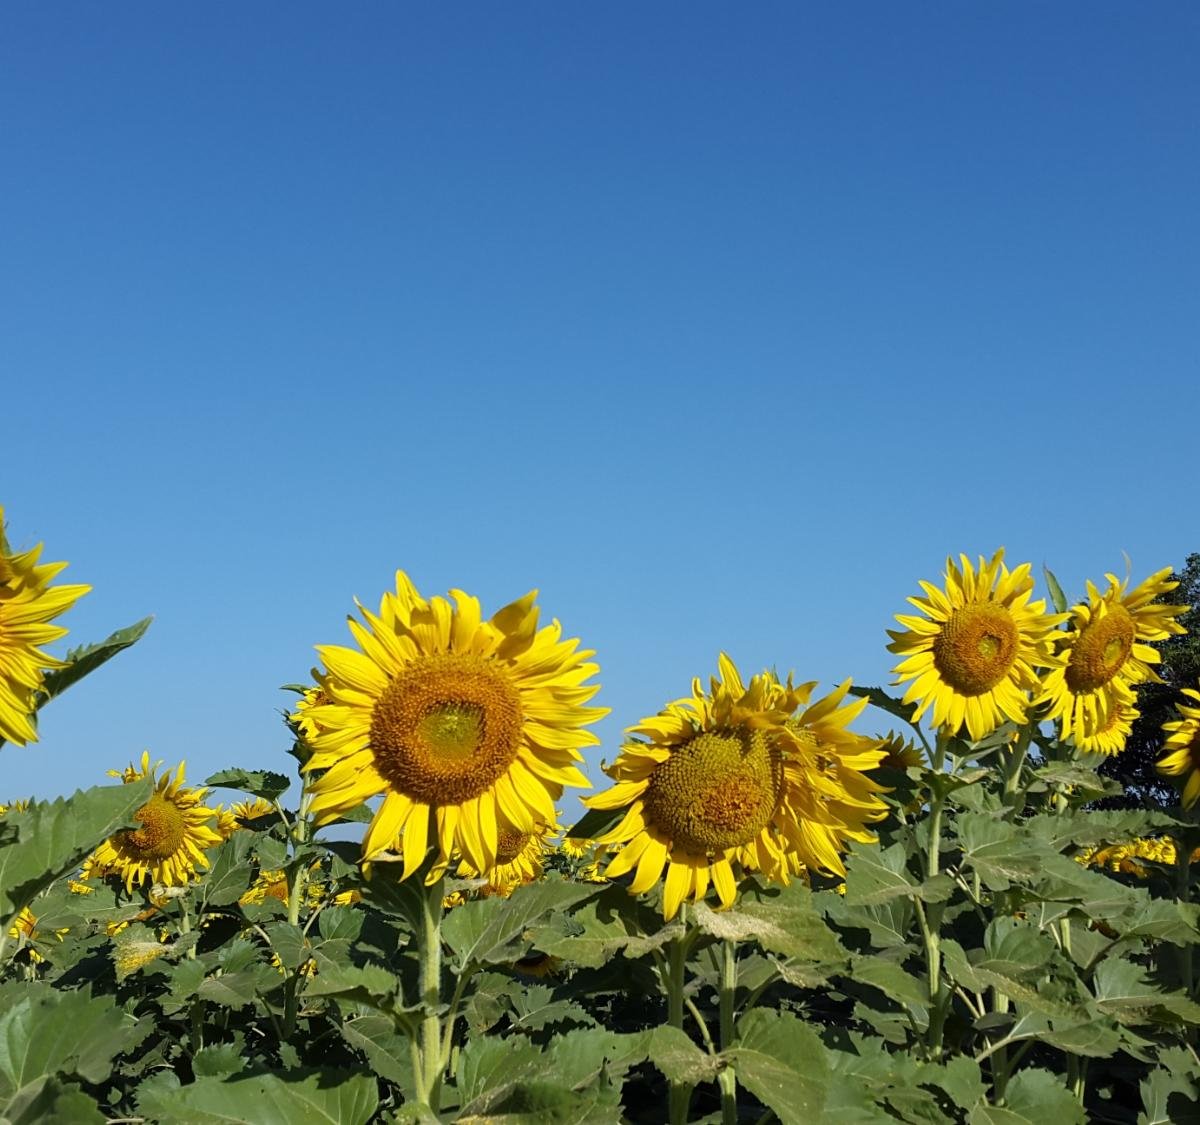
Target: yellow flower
{"type": "Point", "coordinates": [227, 822]}
{"type": "Point", "coordinates": [520, 858]}
{"type": "Point", "coordinates": [900, 753]}
{"type": "Point", "coordinates": [972, 654]}
{"type": "Point", "coordinates": [16, 806]}
{"type": "Point", "coordinates": [1183, 749]}
{"type": "Point", "coordinates": [302, 717]}
{"type": "Point", "coordinates": [1107, 653]}
{"type": "Point", "coordinates": [28, 603]}
{"type": "Point", "coordinates": [274, 884]}
{"type": "Point", "coordinates": [458, 722]}
{"type": "Point", "coordinates": [576, 848]}
{"type": "Point", "coordinates": [1125, 857]}
{"type": "Point", "coordinates": [24, 931]}
{"type": "Point", "coordinates": [732, 780]}
{"type": "Point", "coordinates": [1112, 733]}
{"type": "Point", "coordinates": [253, 810]}
{"type": "Point", "coordinates": [169, 846]}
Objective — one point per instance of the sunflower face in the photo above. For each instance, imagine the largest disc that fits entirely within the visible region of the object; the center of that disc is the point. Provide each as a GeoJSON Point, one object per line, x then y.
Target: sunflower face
{"type": "Point", "coordinates": [463, 725]}
{"type": "Point", "coordinates": [28, 603]}
{"type": "Point", "coordinates": [168, 845]}
{"type": "Point", "coordinates": [738, 779]}
{"type": "Point", "coordinates": [1183, 749]}
{"type": "Point", "coordinates": [718, 790]}
{"type": "Point", "coordinates": [972, 655]}
{"type": "Point", "coordinates": [520, 859]}
{"type": "Point", "coordinates": [1107, 653]}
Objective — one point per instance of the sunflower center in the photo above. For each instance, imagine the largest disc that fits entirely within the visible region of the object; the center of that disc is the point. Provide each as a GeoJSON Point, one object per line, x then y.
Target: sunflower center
{"type": "Point", "coordinates": [446, 728]}
{"type": "Point", "coordinates": [161, 832]}
{"type": "Point", "coordinates": [511, 844]}
{"type": "Point", "coordinates": [976, 648]}
{"type": "Point", "coordinates": [716, 791]}
{"type": "Point", "coordinates": [1100, 649]}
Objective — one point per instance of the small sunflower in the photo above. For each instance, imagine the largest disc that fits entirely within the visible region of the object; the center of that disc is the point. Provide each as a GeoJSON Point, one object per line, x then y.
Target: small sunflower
{"type": "Point", "coordinates": [24, 931]}
{"type": "Point", "coordinates": [460, 724]}
{"type": "Point", "coordinates": [168, 848]}
{"type": "Point", "coordinates": [28, 603]}
{"type": "Point", "coordinates": [900, 753]}
{"type": "Point", "coordinates": [1183, 749]}
{"type": "Point", "coordinates": [301, 718]}
{"type": "Point", "coordinates": [1107, 652]}
{"type": "Point", "coordinates": [227, 822]}
{"type": "Point", "coordinates": [1112, 733]}
{"type": "Point", "coordinates": [972, 655]}
{"type": "Point", "coordinates": [576, 848]}
{"type": "Point", "coordinates": [250, 811]}
{"type": "Point", "coordinates": [731, 780]}
{"type": "Point", "coordinates": [274, 884]}
{"type": "Point", "coordinates": [16, 806]}
{"type": "Point", "coordinates": [520, 858]}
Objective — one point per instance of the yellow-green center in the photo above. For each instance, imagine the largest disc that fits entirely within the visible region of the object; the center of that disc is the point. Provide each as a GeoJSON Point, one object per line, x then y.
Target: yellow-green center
{"type": "Point", "coordinates": [717, 791]}
{"type": "Point", "coordinates": [446, 728]}
{"type": "Point", "coordinates": [976, 647]}
{"type": "Point", "coordinates": [1102, 647]}
{"type": "Point", "coordinates": [161, 833]}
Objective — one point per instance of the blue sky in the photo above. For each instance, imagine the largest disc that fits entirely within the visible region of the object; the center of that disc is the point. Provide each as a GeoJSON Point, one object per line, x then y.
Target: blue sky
{"type": "Point", "coordinates": [721, 325]}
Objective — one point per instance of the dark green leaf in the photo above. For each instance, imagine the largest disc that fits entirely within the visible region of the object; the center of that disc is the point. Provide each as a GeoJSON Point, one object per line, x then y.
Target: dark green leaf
{"type": "Point", "coordinates": [81, 661]}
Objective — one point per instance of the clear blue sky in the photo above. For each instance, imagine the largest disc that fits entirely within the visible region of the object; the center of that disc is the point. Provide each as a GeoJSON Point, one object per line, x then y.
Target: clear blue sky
{"type": "Point", "coordinates": [720, 324]}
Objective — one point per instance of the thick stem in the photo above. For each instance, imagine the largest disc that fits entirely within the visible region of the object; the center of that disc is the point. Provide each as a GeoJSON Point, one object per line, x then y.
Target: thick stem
{"type": "Point", "coordinates": [727, 1076]}
{"type": "Point", "coordinates": [196, 1009]}
{"type": "Point", "coordinates": [429, 949]}
{"type": "Point", "coordinates": [931, 922]}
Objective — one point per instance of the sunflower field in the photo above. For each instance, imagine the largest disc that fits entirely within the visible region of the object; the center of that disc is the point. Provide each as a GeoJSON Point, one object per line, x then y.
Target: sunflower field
{"type": "Point", "coordinates": [856, 905]}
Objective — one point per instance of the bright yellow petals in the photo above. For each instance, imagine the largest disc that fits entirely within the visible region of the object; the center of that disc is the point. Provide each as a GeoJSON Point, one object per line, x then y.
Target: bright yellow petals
{"type": "Point", "coordinates": [1113, 731]}
{"type": "Point", "coordinates": [168, 847]}
{"type": "Point", "coordinates": [1107, 652]}
{"type": "Point", "coordinates": [520, 858]}
{"type": "Point", "coordinates": [248, 812]}
{"type": "Point", "coordinates": [28, 603]}
{"type": "Point", "coordinates": [736, 779]}
{"type": "Point", "coordinates": [1127, 858]}
{"type": "Point", "coordinates": [900, 753]}
{"type": "Point", "coordinates": [462, 725]}
{"type": "Point", "coordinates": [24, 931]}
{"type": "Point", "coordinates": [972, 655]}
{"type": "Point", "coordinates": [1183, 749]}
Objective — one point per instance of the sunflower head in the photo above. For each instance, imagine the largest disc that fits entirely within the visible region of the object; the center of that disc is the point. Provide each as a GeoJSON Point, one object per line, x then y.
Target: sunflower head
{"type": "Point", "coordinates": [1183, 748]}
{"type": "Point", "coordinates": [520, 858]}
{"type": "Point", "coordinates": [173, 832]}
{"type": "Point", "coordinates": [460, 724]}
{"type": "Point", "coordinates": [971, 654]}
{"type": "Point", "coordinates": [1106, 652]}
{"type": "Point", "coordinates": [28, 603]}
{"type": "Point", "coordinates": [739, 778]}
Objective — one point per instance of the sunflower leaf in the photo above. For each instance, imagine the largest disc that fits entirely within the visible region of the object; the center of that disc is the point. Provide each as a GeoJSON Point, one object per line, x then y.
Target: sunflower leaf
{"type": "Point", "coordinates": [86, 659]}
{"type": "Point", "coordinates": [1056, 591]}
{"type": "Point", "coordinates": [324, 1097]}
{"type": "Point", "coordinates": [260, 783]}
{"type": "Point", "coordinates": [52, 838]}
{"type": "Point", "coordinates": [780, 1060]}
{"type": "Point", "coordinates": [880, 698]}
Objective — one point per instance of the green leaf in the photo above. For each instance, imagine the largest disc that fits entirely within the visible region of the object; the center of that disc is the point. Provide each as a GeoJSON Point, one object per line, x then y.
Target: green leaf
{"type": "Point", "coordinates": [875, 875]}
{"type": "Point", "coordinates": [880, 698]}
{"type": "Point", "coordinates": [53, 1101]}
{"type": "Point", "coordinates": [261, 783]}
{"type": "Point", "coordinates": [494, 930]}
{"type": "Point", "coordinates": [1123, 990]}
{"type": "Point", "coordinates": [81, 661]}
{"type": "Point", "coordinates": [231, 872]}
{"type": "Point", "coordinates": [780, 1060]}
{"type": "Point", "coordinates": [1038, 1096]}
{"type": "Point", "coordinates": [677, 1058]}
{"type": "Point", "coordinates": [52, 838]}
{"type": "Point", "coordinates": [1057, 597]}
{"type": "Point", "coordinates": [611, 923]}
{"type": "Point", "coordinates": [45, 1032]}
{"type": "Point", "coordinates": [1171, 1093]}
{"type": "Point", "coordinates": [387, 1051]}
{"type": "Point", "coordinates": [593, 823]}
{"type": "Point", "coordinates": [219, 1060]}
{"type": "Point", "coordinates": [324, 1097]}
{"type": "Point", "coordinates": [782, 920]}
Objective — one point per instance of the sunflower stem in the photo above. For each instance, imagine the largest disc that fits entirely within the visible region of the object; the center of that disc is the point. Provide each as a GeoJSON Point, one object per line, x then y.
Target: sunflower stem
{"type": "Point", "coordinates": [680, 1092]}
{"type": "Point", "coordinates": [931, 923]}
{"type": "Point", "coordinates": [429, 950]}
{"type": "Point", "coordinates": [727, 1077]}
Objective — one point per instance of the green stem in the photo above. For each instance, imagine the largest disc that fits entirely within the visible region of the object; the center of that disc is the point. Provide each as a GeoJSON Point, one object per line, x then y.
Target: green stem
{"type": "Point", "coordinates": [196, 1008]}
{"type": "Point", "coordinates": [429, 950]}
{"type": "Point", "coordinates": [931, 921]}
{"type": "Point", "coordinates": [680, 1092]}
{"type": "Point", "coordinates": [727, 1076]}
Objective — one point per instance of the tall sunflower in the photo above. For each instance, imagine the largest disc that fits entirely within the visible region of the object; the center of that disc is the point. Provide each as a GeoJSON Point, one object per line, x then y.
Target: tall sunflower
{"type": "Point", "coordinates": [28, 603]}
{"type": "Point", "coordinates": [460, 723]}
{"type": "Point", "coordinates": [1107, 652]}
{"type": "Point", "coordinates": [972, 654]}
{"type": "Point", "coordinates": [730, 781]}
{"type": "Point", "coordinates": [169, 846]}
{"type": "Point", "coordinates": [1183, 749]}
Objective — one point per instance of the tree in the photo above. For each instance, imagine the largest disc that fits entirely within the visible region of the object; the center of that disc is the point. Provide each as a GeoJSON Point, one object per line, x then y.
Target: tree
{"type": "Point", "coordinates": [1180, 668]}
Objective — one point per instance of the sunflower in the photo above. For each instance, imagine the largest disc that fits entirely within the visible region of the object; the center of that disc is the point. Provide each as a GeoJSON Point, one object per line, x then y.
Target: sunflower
{"type": "Point", "coordinates": [575, 848]}
{"type": "Point", "coordinates": [1112, 733]}
{"type": "Point", "coordinates": [250, 811]}
{"type": "Point", "coordinates": [1183, 747]}
{"type": "Point", "coordinates": [1107, 652]}
{"type": "Point", "coordinates": [461, 724]}
{"type": "Point", "coordinates": [20, 805]}
{"type": "Point", "coordinates": [227, 822]}
{"type": "Point", "coordinates": [301, 718]}
{"type": "Point", "coordinates": [24, 931]}
{"type": "Point", "coordinates": [168, 848]}
{"type": "Point", "coordinates": [1124, 858]}
{"type": "Point", "coordinates": [28, 603]}
{"type": "Point", "coordinates": [731, 780]}
{"type": "Point", "coordinates": [274, 884]}
{"type": "Point", "coordinates": [900, 753]}
{"type": "Point", "coordinates": [520, 858]}
{"type": "Point", "coordinates": [972, 655]}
